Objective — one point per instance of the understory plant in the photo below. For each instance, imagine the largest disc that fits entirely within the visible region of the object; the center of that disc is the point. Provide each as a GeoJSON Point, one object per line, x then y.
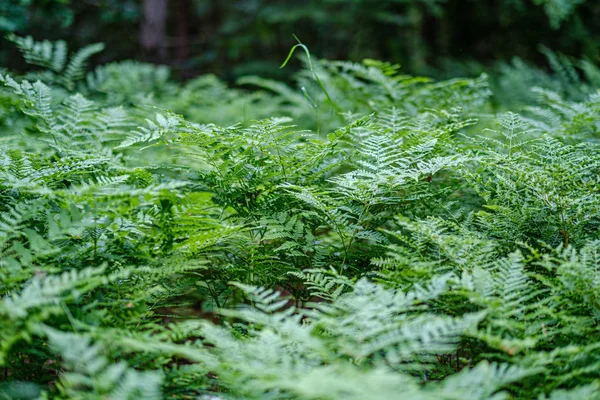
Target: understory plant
{"type": "Point", "coordinates": [370, 235]}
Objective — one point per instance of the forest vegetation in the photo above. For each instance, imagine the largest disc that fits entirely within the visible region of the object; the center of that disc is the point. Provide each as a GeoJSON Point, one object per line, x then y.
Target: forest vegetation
{"type": "Point", "coordinates": [328, 230]}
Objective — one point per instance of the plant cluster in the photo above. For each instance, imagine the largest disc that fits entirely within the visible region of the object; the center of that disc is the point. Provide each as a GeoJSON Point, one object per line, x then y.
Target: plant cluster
{"type": "Point", "coordinates": [370, 235]}
{"type": "Point", "coordinates": [244, 37]}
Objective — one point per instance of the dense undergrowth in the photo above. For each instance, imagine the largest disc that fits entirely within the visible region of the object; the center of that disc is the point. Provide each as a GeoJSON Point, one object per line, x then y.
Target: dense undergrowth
{"type": "Point", "coordinates": [364, 235]}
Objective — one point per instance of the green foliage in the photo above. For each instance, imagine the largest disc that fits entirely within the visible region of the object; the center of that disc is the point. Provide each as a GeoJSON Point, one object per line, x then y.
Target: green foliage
{"type": "Point", "coordinates": [53, 56]}
{"type": "Point", "coordinates": [570, 78]}
{"type": "Point", "coordinates": [17, 15]}
{"type": "Point", "coordinates": [91, 372]}
{"type": "Point", "coordinates": [401, 241]}
{"type": "Point", "coordinates": [248, 37]}
{"type": "Point", "coordinates": [558, 10]}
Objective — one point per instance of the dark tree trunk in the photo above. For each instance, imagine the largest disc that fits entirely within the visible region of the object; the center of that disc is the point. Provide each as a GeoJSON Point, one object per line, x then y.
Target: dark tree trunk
{"type": "Point", "coordinates": [182, 11]}
{"type": "Point", "coordinates": [416, 43]}
{"type": "Point", "coordinates": [154, 29]}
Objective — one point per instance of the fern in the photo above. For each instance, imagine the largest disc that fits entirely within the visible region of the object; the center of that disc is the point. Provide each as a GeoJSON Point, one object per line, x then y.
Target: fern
{"type": "Point", "coordinates": [558, 10]}
{"type": "Point", "coordinates": [92, 375]}
{"type": "Point", "coordinates": [359, 233]}
{"type": "Point", "coordinates": [54, 57]}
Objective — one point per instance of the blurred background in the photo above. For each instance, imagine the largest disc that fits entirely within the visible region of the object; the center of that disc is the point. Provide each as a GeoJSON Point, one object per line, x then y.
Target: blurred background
{"type": "Point", "coordinates": [232, 38]}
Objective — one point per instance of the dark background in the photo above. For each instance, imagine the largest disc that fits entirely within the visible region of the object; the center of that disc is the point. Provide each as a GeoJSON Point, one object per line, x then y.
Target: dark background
{"type": "Point", "coordinates": [240, 37]}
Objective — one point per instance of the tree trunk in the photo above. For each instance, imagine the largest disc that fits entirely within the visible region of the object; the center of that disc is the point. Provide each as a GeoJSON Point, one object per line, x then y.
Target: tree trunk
{"type": "Point", "coordinates": [154, 29]}
{"type": "Point", "coordinates": [182, 12]}
{"type": "Point", "coordinates": [417, 51]}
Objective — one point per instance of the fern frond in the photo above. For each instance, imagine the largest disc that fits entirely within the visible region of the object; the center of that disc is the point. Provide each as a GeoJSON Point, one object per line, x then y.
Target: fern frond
{"type": "Point", "coordinates": [76, 68]}
{"type": "Point", "coordinates": [154, 131]}
{"type": "Point", "coordinates": [51, 55]}
{"type": "Point", "coordinates": [90, 373]}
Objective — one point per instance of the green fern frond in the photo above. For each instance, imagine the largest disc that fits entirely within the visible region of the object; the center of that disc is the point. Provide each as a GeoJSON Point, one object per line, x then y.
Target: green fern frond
{"type": "Point", "coordinates": [46, 54]}
{"type": "Point", "coordinates": [91, 374]}
{"type": "Point", "coordinates": [54, 57]}
{"type": "Point", "coordinates": [324, 284]}
{"type": "Point", "coordinates": [154, 131]}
